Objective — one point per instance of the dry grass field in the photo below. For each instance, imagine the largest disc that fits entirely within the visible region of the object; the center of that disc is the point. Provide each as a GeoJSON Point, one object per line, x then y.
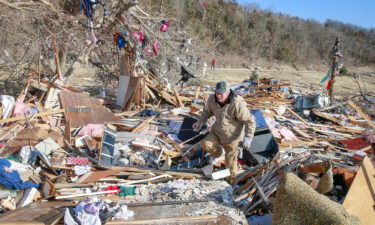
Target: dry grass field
{"type": "Point", "coordinates": [344, 85]}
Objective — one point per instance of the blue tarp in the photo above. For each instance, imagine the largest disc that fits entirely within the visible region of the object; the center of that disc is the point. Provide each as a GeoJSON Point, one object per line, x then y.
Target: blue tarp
{"type": "Point", "coordinates": [260, 121]}
{"type": "Point", "coordinates": [12, 180]}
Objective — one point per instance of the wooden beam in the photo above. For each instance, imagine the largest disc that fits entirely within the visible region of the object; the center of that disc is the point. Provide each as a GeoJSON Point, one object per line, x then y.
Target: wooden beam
{"type": "Point", "coordinates": [298, 116]}
{"type": "Point", "coordinates": [50, 112]}
{"type": "Point", "coordinates": [364, 115]}
{"type": "Point", "coordinates": [173, 220]}
{"type": "Point", "coordinates": [197, 92]}
{"type": "Point", "coordinates": [179, 101]}
{"type": "Point", "coordinates": [47, 102]}
{"type": "Point", "coordinates": [360, 198]}
{"type": "Point", "coordinates": [143, 124]}
{"type": "Point", "coordinates": [41, 110]}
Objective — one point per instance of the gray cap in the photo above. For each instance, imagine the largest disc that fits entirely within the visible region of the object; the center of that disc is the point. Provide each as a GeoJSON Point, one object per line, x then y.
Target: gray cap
{"type": "Point", "coordinates": [222, 87]}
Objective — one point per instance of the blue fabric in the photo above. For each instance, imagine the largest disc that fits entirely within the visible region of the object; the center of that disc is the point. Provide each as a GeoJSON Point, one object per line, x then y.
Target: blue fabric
{"type": "Point", "coordinates": [121, 42]}
{"type": "Point", "coordinates": [148, 113]}
{"type": "Point", "coordinates": [12, 180]}
{"type": "Point", "coordinates": [260, 121]}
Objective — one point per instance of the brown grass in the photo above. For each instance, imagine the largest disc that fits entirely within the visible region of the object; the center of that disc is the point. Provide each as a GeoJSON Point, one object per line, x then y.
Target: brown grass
{"type": "Point", "coordinates": [343, 85]}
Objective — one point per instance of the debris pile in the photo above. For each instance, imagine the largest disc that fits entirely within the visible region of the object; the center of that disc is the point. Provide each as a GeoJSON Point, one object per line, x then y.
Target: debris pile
{"type": "Point", "coordinates": [59, 143]}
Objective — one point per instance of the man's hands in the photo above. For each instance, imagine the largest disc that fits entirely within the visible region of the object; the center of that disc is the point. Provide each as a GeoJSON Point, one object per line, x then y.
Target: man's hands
{"type": "Point", "coordinates": [247, 142]}
{"type": "Point", "coordinates": [197, 125]}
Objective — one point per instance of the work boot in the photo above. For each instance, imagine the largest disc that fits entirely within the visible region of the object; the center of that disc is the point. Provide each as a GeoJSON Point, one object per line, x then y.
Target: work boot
{"type": "Point", "coordinates": [232, 180]}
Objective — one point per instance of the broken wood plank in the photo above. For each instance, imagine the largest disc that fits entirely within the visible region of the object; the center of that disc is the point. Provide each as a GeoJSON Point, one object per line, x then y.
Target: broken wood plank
{"type": "Point", "coordinates": [327, 116]}
{"type": "Point", "coordinates": [364, 115]}
{"type": "Point", "coordinates": [269, 86]}
{"type": "Point", "coordinates": [298, 116]}
{"type": "Point", "coordinates": [197, 92]}
{"type": "Point", "coordinates": [47, 102]}
{"type": "Point", "coordinates": [50, 112]}
{"type": "Point", "coordinates": [268, 99]}
{"type": "Point", "coordinates": [143, 124]}
{"type": "Point", "coordinates": [360, 198]}
{"type": "Point", "coordinates": [41, 110]}
{"type": "Point", "coordinates": [86, 194]}
{"type": "Point", "coordinates": [179, 101]}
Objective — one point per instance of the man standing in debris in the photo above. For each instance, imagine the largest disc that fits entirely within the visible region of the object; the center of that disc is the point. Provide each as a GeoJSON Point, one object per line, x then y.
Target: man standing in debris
{"type": "Point", "coordinates": [233, 123]}
{"type": "Point", "coordinates": [254, 76]}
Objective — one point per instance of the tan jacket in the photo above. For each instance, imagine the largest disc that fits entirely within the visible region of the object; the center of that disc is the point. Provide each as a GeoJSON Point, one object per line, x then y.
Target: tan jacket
{"type": "Point", "coordinates": [233, 121]}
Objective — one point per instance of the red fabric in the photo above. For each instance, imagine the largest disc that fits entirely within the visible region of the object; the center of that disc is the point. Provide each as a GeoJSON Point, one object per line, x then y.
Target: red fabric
{"type": "Point", "coordinates": [204, 3]}
{"type": "Point", "coordinates": [242, 162]}
{"type": "Point", "coordinates": [115, 36]}
{"type": "Point", "coordinates": [155, 48]}
{"type": "Point", "coordinates": [329, 84]}
{"type": "Point", "coordinates": [78, 161]}
{"type": "Point", "coordinates": [214, 62]}
{"type": "Point", "coordinates": [354, 144]}
{"type": "Point", "coordinates": [112, 187]}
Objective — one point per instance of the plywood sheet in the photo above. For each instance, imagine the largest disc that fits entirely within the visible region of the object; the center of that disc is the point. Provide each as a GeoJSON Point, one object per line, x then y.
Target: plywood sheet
{"type": "Point", "coordinates": [98, 115]}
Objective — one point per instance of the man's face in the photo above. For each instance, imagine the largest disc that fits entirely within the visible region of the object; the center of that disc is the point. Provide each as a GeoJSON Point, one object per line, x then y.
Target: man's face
{"type": "Point", "coordinates": [222, 97]}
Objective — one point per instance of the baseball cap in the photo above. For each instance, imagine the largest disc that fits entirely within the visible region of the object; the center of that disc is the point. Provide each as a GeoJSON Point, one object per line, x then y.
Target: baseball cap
{"type": "Point", "coordinates": [222, 87]}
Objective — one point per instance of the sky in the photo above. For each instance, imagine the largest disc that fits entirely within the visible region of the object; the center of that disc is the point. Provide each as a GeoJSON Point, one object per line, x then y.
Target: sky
{"type": "Point", "coordinates": [356, 12]}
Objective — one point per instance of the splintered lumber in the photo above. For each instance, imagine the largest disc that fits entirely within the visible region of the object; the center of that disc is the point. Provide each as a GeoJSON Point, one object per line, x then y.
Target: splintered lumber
{"type": "Point", "coordinates": [361, 197]}
{"type": "Point", "coordinates": [47, 103]}
{"type": "Point", "coordinates": [67, 134]}
{"type": "Point", "coordinates": [179, 101]}
{"type": "Point", "coordinates": [86, 194]}
{"type": "Point", "coordinates": [298, 116]}
{"type": "Point", "coordinates": [168, 98]}
{"type": "Point", "coordinates": [177, 175]}
{"type": "Point", "coordinates": [364, 115]}
{"type": "Point", "coordinates": [50, 112]}
{"type": "Point", "coordinates": [127, 113]}
{"type": "Point", "coordinates": [7, 132]}
{"type": "Point", "coordinates": [327, 116]}
{"type": "Point", "coordinates": [349, 130]}
{"type": "Point", "coordinates": [267, 99]}
{"type": "Point", "coordinates": [206, 219]}
{"type": "Point", "coordinates": [269, 86]}
{"type": "Point", "coordinates": [40, 109]}
{"type": "Point", "coordinates": [143, 124]}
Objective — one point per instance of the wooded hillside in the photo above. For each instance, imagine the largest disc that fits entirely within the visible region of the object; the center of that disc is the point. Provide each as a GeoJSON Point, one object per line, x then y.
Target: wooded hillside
{"type": "Point", "coordinates": [230, 28]}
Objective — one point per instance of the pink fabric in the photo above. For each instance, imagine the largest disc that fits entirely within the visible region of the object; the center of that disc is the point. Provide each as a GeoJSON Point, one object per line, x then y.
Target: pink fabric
{"type": "Point", "coordinates": [164, 28]}
{"type": "Point", "coordinates": [20, 109]}
{"type": "Point", "coordinates": [92, 130]}
{"type": "Point", "coordinates": [148, 51]}
{"type": "Point", "coordinates": [139, 35]}
{"type": "Point", "coordinates": [155, 48]}
{"type": "Point", "coordinates": [284, 133]}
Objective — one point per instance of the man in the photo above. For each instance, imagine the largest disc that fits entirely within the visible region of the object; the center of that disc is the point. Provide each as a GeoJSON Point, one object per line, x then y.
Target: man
{"type": "Point", "coordinates": [213, 64]}
{"type": "Point", "coordinates": [254, 76]}
{"type": "Point", "coordinates": [233, 124]}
